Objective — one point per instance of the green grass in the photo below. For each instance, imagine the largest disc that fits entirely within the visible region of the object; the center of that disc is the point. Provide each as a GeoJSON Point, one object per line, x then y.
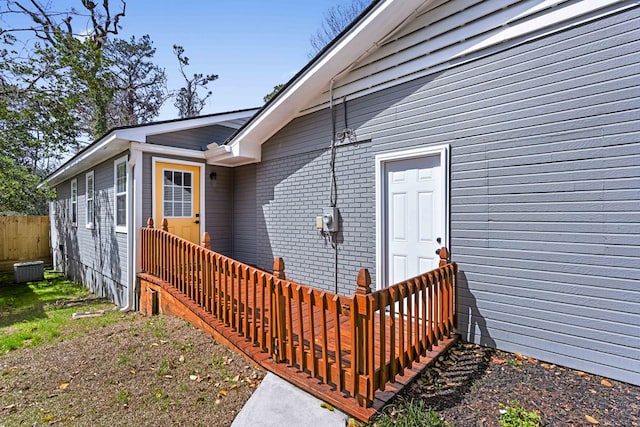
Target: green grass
{"type": "Point", "coordinates": [123, 359]}
{"type": "Point", "coordinates": [123, 396]}
{"type": "Point", "coordinates": [161, 398]}
{"type": "Point", "coordinates": [157, 326]}
{"type": "Point", "coordinates": [30, 317]}
{"type": "Point", "coordinates": [164, 368]}
{"type": "Point", "coordinates": [408, 413]}
{"type": "Point", "coordinates": [217, 362]}
{"type": "Point", "coordinates": [187, 346]}
{"type": "Point", "coordinates": [25, 295]}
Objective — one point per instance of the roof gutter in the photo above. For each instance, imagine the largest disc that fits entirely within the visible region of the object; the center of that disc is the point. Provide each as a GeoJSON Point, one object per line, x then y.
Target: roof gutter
{"type": "Point", "coordinates": [84, 156]}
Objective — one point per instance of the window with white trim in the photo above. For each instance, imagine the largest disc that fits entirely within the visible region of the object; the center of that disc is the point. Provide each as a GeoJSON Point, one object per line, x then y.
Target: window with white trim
{"type": "Point", "coordinates": [74, 201]}
{"type": "Point", "coordinates": [120, 190]}
{"type": "Point", "coordinates": [90, 199]}
{"type": "Point", "coordinates": [177, 193]}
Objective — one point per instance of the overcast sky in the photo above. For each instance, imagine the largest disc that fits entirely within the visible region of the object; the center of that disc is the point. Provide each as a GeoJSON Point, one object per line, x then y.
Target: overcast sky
{"type": "Point", "coordinates": [251, 44]}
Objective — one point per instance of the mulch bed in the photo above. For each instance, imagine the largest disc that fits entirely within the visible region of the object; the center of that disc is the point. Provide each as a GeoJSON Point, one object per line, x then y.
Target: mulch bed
{"type": "Point", "coordinates": [471, 384]}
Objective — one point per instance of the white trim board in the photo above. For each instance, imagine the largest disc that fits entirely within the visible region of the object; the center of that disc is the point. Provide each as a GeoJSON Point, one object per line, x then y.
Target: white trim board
{"type": "Point", "coordinates": [134, 250]}
{"type": "Point", "coordinates": [89, 224]}
{"type": "Point", "coordinates": [443, 151]}
{"type": "Point", "coordinates": [122, 159]}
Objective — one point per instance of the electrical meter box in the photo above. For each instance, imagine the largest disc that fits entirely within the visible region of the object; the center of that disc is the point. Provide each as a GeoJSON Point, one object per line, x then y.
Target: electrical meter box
{"type": "Point", "coordinates": [330, 219]}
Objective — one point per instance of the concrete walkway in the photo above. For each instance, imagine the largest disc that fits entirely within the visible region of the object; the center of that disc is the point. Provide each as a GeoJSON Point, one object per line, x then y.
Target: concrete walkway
{"type": "Point", "coordinates": [276, 403]}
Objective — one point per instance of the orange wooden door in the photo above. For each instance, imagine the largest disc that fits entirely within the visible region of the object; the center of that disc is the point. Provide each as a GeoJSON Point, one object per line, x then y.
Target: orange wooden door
{"type": "Point", "coordinates": [177, 198]}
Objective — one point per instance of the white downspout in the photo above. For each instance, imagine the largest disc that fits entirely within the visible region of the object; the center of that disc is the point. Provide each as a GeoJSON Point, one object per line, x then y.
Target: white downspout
{"type": "Point", "coordinates": [134, 224]}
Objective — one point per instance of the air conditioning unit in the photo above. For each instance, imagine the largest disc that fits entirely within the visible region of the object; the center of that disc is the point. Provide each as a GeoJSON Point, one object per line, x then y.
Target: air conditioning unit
{"type": "Point", "coordinates": [28, 271]}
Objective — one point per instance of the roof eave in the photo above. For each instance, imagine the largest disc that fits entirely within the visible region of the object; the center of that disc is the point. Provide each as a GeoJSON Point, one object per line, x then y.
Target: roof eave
{"type": "Point", "coordinates": [383, 18]}
{"type": "Point", "coordinates": [233, 155]}
{"type": "Point", "coordinates": [118, 140]}
{"type": "Point", "coordinates": [109, 146]}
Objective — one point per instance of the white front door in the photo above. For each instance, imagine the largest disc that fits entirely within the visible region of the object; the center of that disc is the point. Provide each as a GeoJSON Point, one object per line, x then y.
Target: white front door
{"type": "Point", "coordinates": [414, 218]}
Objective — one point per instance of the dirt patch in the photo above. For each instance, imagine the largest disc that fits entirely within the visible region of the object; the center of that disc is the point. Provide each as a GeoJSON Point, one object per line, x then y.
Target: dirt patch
{"type": "Point", "coordinates": [140, 371]}
{"type": "Point", "coordinates": [471, 384]}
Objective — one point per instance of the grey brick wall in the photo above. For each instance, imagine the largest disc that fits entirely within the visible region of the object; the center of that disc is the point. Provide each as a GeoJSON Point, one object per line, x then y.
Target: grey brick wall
{"type": "Point", "coordinates": [291, 192]}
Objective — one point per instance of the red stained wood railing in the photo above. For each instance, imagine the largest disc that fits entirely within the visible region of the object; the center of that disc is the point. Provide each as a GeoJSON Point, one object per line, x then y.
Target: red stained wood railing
{"type": "Point", "coordinates": [357, 344]}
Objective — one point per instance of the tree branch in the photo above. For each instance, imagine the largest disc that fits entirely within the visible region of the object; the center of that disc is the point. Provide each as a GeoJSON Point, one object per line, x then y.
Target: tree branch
{"type": "Point", "coordinates": [47, 28]}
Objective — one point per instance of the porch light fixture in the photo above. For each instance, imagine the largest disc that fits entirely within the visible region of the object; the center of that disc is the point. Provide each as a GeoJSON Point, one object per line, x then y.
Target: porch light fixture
{"type": "Point", "coordinates": [213, 176]}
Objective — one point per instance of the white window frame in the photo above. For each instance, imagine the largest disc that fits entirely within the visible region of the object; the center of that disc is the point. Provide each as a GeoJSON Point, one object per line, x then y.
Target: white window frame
{"type": "Point", "coordinates": [120, 228]}
{"type": "Point", "coordinates": [74, 201]}
{"type": "Point", "coordinates": [90, 189]}
{"type": "Point", "coordinates": [192, 186]}
{"type": "Point", "coordinates": [380, 161]}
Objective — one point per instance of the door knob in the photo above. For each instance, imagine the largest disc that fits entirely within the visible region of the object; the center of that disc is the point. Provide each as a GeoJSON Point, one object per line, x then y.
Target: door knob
{"type": "Point", "coordinates": [439, 240]}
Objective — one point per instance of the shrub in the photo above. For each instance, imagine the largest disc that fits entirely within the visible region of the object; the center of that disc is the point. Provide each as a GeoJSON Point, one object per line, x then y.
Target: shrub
{"type": "Point", "coordinates": [516, 416]}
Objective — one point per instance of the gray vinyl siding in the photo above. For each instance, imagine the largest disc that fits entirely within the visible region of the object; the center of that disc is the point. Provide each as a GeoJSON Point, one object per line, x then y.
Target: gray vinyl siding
{"type": "Point", "coordinates": [446, 33]}
{"type": "Point", "coordinates": [244, 215]}
{"type": "Point", "coordinates": [193, 139]}
{"type": "Point", "coordinates": [544, 192]}
{"type": "Point", "coordinates": [147, 187]}
{"type": "Point", "coordinates": [219, 209]}
{"type": "Point", "coordinates": [95, 257]}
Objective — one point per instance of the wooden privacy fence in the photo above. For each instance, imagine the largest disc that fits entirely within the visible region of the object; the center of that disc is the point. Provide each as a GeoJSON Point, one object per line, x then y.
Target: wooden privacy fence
{"type": "Point", "coordinates": [356, 344]}
{"type": "Point", "coordinates": [24, 238]}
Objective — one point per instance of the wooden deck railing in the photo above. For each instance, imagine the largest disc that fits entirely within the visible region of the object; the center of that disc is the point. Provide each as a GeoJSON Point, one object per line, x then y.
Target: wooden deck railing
{"type": "Point", "coordinates": [356, 344]}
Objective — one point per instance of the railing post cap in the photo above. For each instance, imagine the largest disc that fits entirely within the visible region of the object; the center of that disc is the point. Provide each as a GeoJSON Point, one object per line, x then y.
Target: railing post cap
{"type": "Point", "coordinates": [444, 256]}
{"type": "Point", "coordinates": [363, 281]}
{"type": "Point", "coordinates": [278, 263]}
{"type": "Point", "coordinates": [165, 225]}
{"type": "Point", "coordinates": [278, 268]}
{"type": "Point", "coordinates": [206, 240]}
{"type": "Point", "coordinates": [150, 222]}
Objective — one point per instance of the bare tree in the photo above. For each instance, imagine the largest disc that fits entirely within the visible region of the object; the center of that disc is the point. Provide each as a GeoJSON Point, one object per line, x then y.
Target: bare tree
{"type": "Point", "coordinates": [188, 101]}
{"type": "Point", "coordinates": [336, 19]}
{"type": "Point", "coordinates": [49, 24]}
{"type": "Point", "coordinates": [53, 74]}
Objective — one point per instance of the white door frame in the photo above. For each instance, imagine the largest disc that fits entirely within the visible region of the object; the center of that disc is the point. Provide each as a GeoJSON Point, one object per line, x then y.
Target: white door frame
{"type": "Point", "coordinates": [155, 160]}
{"type": "Point", "coordinates": [381, 184]}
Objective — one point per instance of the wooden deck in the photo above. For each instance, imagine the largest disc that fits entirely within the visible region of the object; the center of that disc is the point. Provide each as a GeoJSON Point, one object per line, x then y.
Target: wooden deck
{"type": "Point", "coordinates": [354, 352]}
